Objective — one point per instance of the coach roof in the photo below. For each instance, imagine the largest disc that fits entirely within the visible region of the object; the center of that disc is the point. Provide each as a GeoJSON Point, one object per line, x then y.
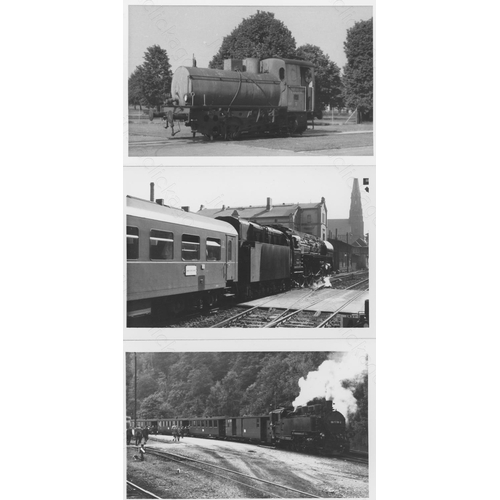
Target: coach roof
{"type": "Point", "coordinates": [150, 210]}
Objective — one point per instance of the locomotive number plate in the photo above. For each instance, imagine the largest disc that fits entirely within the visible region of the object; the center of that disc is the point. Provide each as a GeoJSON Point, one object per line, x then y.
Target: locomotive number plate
{"type": "Point", "coordinates": [190, 271]}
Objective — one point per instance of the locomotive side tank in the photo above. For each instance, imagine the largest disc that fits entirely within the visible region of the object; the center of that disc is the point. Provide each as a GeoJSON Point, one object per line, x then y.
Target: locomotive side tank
{"type": "Point", "coordinates": [216, 87]}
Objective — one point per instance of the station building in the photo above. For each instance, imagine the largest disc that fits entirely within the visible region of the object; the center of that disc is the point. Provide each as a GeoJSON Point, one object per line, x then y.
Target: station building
{"type": "Point", "coordinates": [308, 218]}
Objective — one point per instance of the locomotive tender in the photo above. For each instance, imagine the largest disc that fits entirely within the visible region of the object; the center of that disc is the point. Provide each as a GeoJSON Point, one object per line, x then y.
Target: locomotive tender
{"type": "Point", "coordinates": [248, 96]}
{"type": "Point", "coordinates": [315, 427]}
{"type": "Point", "coordinates": [178, 260]}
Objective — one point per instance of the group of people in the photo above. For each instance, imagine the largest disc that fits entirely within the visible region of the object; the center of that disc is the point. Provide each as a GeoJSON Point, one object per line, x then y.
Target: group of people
{"type": "Point", "coordinates": [141, 436]}
{"type": "Point", "coordinates": [177, 432]}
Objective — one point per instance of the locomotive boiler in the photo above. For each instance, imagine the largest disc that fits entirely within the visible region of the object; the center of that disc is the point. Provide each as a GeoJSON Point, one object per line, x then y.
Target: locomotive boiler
{"type": "Point", "coordinates": [248, 96]}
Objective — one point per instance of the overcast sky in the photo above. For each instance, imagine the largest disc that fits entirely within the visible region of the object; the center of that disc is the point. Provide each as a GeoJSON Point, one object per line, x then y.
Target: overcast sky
{"type": "Point", "coordinates": [184, 30]}
{"type": "Point", "coordinates": [245, 186]}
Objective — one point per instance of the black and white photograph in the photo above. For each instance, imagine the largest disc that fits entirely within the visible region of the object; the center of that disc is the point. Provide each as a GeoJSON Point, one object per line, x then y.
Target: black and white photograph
{"type": "Point", "coordinates": [248, 247]}
{"type": "Point", "coordinates": [247, 424]}
{"type": "Point", "coordinates": [249, 80]}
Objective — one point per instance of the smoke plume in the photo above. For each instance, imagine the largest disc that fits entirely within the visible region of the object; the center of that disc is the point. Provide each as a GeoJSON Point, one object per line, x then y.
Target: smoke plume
{"type": "Point", "coordinates": [326, 383]}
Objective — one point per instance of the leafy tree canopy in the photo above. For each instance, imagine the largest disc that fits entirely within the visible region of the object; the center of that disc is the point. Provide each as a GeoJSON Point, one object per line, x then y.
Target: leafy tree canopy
{"type": "Point", "coordinates": [260, 35]}
{"type": "Point", "coordinates": [150, 82]}
{"type": "Point", "coordinates": [135, 87]}
{"type": "Point", "coordinates": [358, 72]}
{"type": "Point", "coordinates": [327, 75]}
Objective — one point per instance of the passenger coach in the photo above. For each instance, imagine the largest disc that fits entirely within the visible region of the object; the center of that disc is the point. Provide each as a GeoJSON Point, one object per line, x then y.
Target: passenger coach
{"type": "Point", "coordinates": [176, 259]}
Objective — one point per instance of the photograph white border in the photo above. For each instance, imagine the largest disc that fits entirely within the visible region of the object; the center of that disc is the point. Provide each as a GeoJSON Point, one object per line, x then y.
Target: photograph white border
{"type": "Point", "coordinates": [293, 159]}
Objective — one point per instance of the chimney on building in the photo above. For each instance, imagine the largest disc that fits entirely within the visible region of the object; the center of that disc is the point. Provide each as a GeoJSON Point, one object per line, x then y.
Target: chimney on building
{"type": "Point", "coordinates": [269, 205]}
{"type": "Point", "coordinates": [223, 207]}
{"type": "Point", "coordinates": [159, 201]}
{"type": "Point", "coordinates": [186, 209]}
{"type": "Point", "coordinates": [151, 191]}
{"type": "Point", "coordinates": [323, 199]}
{"type": "Point", "coordinates": [202, 207]}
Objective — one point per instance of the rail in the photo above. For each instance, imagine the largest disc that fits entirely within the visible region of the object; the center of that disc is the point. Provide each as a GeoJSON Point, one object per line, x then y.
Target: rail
{"type": "Point", "coordinates": [142, 490]}
{"type": "Point", "coordinates": [185, 460]}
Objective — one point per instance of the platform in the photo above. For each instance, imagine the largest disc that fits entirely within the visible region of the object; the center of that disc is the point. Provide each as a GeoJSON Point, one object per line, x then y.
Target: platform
{"type": "Point", "coordinates": [331, 300]}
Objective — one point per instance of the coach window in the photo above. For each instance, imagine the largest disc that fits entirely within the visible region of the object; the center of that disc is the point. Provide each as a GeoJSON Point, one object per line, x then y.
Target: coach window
{"type": "Point", "coordinates": [190, 247]}
{"type": "Point", "coordinates": [132, 242]}
{"type": "Point", "coordinates": [230, 250]}
{"type": "Point", "coordinates": [213, 249]}
{"type": "Point", "coordinates": [282, 73]}
{"type": "Point", "coordinates": [161, 245]}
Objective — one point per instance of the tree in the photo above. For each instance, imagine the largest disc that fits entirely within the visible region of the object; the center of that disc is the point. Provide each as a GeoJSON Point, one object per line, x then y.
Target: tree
{"type": "Point", "coordinates": [260, 35]}
{"type": "Point", "coordinates": [135, 96]}
{"type": "Point", "coordinates": [328, 86]}
{"type": "Point", "coordinates": [358, 72]}
{"type": "Point", "coordinates": [151, 407]}
{"type": "Point", "coordinates": [155, 76]}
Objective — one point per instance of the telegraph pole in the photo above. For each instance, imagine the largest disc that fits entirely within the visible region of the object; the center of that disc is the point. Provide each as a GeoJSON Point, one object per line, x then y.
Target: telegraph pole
{"type": "Point", "coordinates": [135, 390]}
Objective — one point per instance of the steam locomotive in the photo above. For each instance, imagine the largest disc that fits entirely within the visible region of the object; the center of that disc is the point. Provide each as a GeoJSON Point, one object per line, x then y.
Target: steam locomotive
{"type": "Point", "coordinates": [178, 260]}
{"type": "Point", "coordinates": [249, 96]}
{"type": "Point", "coordinates": [316, 427]}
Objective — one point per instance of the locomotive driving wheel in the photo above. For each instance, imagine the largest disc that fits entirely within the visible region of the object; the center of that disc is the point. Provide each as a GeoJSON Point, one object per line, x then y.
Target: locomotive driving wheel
{"type": "Point", "coordinates": [293, 124]}
{"type": "Point", "coordinates": [233, 129]}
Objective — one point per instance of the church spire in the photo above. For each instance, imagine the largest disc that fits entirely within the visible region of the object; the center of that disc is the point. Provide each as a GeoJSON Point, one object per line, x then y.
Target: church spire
{"type": "Point", "coordinates": [356, 213]}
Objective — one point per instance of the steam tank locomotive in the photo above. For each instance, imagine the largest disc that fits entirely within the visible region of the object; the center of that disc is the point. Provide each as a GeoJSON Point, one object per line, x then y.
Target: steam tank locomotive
{"type": "Point", "coordinates": [315, 427]}
{"type": "Point", "coordinates": [248, 96]}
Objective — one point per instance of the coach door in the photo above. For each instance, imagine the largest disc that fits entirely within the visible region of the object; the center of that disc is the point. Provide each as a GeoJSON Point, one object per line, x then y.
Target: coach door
{"type": "Point", "coordinates": [230, 258]}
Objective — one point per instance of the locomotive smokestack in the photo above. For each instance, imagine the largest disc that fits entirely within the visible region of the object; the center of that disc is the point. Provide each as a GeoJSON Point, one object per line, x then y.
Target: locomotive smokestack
{"type": "Point", "coordinates": [194, 62]}
{"type": "Point", "coordinates": [269, 205]}
{"type": "Point", "coordinates": [152, 191]}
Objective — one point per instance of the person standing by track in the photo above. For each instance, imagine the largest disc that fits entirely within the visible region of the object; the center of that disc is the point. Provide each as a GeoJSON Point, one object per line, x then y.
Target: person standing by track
{"type": "Point", "coordinates": [169, 118]}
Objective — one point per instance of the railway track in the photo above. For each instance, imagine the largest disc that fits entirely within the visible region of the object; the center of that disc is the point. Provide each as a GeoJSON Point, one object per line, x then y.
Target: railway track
{"type": "Point", "coordinates": [301, 317]}
{"type": "Point", "coordinates": [135, 491]}
{"type": "Point", "coordinates": [234, 476]}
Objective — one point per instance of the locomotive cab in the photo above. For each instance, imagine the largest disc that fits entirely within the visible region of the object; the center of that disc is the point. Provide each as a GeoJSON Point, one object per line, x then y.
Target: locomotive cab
{"type": "Point", "coordinates": [297, 82]}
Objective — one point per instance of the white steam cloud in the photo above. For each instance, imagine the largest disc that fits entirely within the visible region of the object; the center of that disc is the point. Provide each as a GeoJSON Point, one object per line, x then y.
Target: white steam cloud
{"type": "Point", "coordinates": [326, 383]}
